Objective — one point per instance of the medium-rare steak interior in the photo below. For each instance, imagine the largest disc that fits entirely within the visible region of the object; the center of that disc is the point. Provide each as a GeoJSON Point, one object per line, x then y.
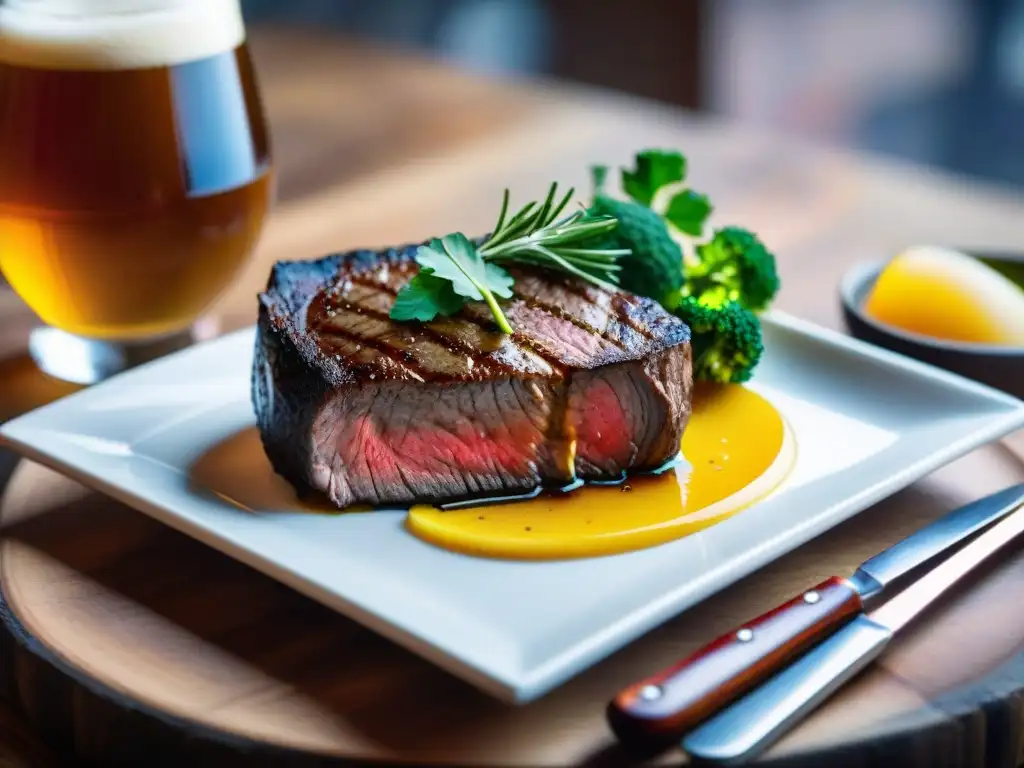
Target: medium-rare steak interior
{"type": "Point", "coordinates": [364, 409]}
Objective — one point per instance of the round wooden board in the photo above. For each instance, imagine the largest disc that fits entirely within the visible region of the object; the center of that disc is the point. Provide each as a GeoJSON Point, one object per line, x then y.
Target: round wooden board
{"type": "Point", "coordinates": [130, 641]}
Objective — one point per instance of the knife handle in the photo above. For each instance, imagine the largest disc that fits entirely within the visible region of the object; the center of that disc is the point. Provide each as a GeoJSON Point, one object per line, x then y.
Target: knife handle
{"type": "Point", "coordinates": [656, 711]}
{"type": "Point", "coordinates": [746, 728]}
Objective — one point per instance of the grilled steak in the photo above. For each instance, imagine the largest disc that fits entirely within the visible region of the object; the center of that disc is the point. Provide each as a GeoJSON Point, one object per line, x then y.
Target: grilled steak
{"type": "Point", "coordinates": [366, 410]}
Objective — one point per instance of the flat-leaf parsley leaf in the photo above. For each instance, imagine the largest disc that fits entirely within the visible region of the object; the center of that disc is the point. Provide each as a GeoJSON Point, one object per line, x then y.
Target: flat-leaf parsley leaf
{"type": "Point", "coordinates": [654, 169]}
{"type": "Point", "coordinates": [425, 297]}
{"type": "Point", "coordinates": [455, 259]}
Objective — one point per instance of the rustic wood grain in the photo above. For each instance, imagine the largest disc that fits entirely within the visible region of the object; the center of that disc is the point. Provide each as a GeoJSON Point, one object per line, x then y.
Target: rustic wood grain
{"type": "Point", "coordinates": [131, 642]}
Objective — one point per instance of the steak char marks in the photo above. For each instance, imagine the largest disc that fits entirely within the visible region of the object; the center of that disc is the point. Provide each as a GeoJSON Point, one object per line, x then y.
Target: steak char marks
{"type": "Point", "coordinates": [360, 408]}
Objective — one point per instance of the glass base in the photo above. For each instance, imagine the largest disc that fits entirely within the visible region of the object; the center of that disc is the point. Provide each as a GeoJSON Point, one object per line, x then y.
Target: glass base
{"type": "Point", "coordinates": [80, 360]}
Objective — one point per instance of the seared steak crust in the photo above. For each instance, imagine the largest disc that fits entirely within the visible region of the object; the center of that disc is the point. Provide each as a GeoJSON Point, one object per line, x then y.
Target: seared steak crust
{"type": "Point", "coordinates": [365, 410]}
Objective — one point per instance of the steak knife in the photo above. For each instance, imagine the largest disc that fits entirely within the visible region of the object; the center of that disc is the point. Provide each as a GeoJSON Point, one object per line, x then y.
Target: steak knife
{"type": "Point", "coordinates": [657, 711]}
{"type": "Point", "coordinates": [753, 723]}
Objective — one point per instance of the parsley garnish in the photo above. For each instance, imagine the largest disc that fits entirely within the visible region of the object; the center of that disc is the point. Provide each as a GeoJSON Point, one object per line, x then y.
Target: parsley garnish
{"type": "Point", "coordinates": [687, 211]}
{"type": "Point", "coordinates": [425, 297]}
{"type": "Point", "coordinates": [453, 270]}
{"type": "Point", "coordinates": [656, 168]}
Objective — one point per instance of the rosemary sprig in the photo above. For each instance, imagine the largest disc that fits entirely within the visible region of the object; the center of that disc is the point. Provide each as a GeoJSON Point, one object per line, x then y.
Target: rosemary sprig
{"type": "Point", "coordinates": [534, 236]}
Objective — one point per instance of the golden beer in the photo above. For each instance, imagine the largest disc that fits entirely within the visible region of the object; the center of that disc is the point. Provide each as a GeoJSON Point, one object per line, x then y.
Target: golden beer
{"type": "Point", "coordinates": [134, 160]}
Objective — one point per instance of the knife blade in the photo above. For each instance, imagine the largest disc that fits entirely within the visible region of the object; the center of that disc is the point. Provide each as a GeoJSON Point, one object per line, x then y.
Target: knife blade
{"type": "Point", "coordinates": [753, 723]}
{"type": "Point", "coordinates": [655, 712]}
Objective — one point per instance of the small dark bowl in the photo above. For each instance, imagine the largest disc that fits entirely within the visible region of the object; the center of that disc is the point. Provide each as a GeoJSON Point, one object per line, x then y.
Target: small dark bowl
{"type": "Point", "coordinates": [997, 366]}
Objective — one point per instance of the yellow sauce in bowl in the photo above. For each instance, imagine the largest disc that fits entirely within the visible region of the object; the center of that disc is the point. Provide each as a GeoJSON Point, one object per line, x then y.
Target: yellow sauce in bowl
{"type": "Point", "coordinates": [948, 295]}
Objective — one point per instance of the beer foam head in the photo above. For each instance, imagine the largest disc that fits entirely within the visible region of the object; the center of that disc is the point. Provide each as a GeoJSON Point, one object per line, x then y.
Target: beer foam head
{"type": "Point", "coordinates": [116, 34]}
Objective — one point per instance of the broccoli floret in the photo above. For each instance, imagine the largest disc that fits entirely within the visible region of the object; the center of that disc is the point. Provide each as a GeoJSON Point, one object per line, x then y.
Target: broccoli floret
{"type": "Point", "coordinates": [726, 340]}
{"type": "Point", "coordinates": [733, 266]}
{"type": "Point", "coordinates": [655, 266]}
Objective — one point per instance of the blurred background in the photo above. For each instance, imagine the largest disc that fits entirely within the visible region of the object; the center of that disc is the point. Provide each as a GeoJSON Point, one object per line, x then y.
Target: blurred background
{"type": "Point", "coordinates": [939, 82]}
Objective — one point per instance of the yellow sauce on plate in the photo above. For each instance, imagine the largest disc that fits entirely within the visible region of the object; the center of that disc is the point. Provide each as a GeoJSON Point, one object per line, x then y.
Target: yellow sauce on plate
{"type": "Point", "coordinates": [737, 449]}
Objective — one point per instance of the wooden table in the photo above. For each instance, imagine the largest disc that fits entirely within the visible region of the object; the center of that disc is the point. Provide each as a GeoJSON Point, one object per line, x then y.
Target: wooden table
{"type": "Point", "coordinates": [129, 640]}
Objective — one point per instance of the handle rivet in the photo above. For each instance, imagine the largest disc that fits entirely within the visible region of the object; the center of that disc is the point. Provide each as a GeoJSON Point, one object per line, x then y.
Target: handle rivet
{"type": "Point", "coordinates": [745, 635]}
{"type": "Point", "coordinates": [811, 597]}
{"type": "Point", "coordinates": [650, 692]}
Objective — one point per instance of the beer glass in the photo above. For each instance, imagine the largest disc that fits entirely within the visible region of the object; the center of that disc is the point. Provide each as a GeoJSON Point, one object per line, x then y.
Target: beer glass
{"type": "Point", "coordinates": [135, 172]}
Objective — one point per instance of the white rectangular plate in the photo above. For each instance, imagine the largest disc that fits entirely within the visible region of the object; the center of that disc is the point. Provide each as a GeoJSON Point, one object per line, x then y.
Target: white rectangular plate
{"type": "Point", "coordinates": [175, 439]}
